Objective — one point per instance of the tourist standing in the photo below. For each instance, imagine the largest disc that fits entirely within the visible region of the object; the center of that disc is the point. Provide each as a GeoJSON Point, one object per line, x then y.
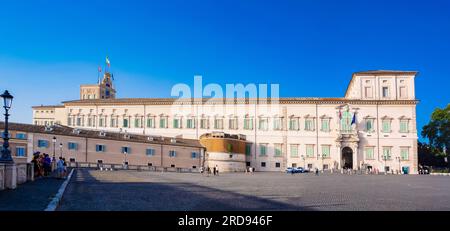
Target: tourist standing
{"type": "Point", "coordinates": [214, 170]}
{"type": "Point", "coordinates": [217, 170]}
{"type": "Point", "coordinates": [59, 168]}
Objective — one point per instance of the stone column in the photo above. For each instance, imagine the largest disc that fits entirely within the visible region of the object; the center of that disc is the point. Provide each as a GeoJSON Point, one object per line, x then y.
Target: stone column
{"type": "Point", "coordinates": [10, 176]}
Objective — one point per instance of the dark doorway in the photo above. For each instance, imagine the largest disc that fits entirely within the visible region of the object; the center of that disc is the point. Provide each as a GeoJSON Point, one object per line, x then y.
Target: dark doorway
{"type": "Point", "coordinates": [347, 158]}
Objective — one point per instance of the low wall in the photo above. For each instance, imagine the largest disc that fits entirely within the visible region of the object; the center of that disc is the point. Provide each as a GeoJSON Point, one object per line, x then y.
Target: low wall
{"type": "Point", "coordinates": [2, 175]}
{"type": "Point", "coordinates": [131, 167]}
{"type": "Point", "coordinates": [24, 173]}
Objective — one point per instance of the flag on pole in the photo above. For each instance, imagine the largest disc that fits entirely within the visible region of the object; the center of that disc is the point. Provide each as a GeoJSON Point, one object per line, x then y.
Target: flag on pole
{"type": "Point", "coordinates": [112, 76]}
{"type": "Point", "coordinates": [107, 61]}
{"type": "Point", "coordinates": [353, 119]}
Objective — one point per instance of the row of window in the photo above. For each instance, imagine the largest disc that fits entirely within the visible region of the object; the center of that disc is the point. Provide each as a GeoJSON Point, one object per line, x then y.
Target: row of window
{"type": "Point", "coordinates": [102, 148]}
{"type": "Point", "coordinates": [324, 151]}
{"type": "Point", "coordinates": [233, 123]}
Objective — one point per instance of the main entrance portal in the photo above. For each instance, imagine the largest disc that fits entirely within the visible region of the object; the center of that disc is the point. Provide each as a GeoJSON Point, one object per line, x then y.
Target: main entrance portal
{"type": "Point", "coordinates": [347, 158]}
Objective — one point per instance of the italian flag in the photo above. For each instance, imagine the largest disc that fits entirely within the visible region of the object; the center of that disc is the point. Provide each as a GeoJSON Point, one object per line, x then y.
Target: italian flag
{"type": "Point", "coordinates": [107, 62]}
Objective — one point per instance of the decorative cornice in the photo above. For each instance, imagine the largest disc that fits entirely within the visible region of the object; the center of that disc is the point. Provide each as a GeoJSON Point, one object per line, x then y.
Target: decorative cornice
{"type": "Point", "coordinates": [282, 101]}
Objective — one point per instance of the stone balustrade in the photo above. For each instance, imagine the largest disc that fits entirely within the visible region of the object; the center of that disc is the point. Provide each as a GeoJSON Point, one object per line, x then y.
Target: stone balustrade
{"type": "Point", "coordinates": [23, 173]}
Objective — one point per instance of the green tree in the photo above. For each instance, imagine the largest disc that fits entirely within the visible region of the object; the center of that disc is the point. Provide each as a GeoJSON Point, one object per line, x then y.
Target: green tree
{"type": "Point", "coordinates": [437, 131]}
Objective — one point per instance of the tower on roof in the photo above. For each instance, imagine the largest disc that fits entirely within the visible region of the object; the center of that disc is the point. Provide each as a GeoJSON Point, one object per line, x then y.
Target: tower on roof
{"type": "Point", "coordinates": [104, 89]}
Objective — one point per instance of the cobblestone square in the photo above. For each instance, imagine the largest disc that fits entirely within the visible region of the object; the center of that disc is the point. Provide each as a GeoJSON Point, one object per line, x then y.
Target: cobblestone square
{"type": "Point", "coordinates": [156, 191]}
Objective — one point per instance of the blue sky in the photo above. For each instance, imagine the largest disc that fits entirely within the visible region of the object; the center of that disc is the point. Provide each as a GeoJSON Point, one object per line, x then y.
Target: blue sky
{"type": "Point", "coordinates": [310, 47]}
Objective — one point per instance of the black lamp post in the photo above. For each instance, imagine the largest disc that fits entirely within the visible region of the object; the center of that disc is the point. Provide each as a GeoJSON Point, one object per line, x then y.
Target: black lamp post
{"type": "Point", "coordinates": [6, 153]}
{"type": "Point", "coordinates": [54, 147]}
{"type": "Point", "coordinates": [60, 149]}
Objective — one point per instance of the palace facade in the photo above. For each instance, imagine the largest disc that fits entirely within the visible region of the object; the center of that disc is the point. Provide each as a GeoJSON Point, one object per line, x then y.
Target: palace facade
{"type": "Point", "coordinates": [372, 127]}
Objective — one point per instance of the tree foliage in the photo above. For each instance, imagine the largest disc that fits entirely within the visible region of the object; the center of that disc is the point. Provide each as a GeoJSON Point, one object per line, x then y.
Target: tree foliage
{"type": "Point", "coordinates": [437, 131]}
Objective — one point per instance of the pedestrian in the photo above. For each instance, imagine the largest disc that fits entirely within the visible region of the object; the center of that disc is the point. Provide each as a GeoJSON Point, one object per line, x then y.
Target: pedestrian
{"type": "Point", "coordinates": [201, 170]}
{"type": "Point", "coordinates": [59, 168]}
{"type": "Point", "coordinates": [208, 171]}
{"type": "Point", "coordinates": [317, 171]}
{"type": "Point", "coordinates": [217, 170]}
{"type": "Point", "coordinates": [214, 170]}
{"type": "Point", "coordinates": [65, 168]}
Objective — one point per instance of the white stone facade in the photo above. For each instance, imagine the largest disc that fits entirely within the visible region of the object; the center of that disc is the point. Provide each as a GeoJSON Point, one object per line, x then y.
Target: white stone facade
{"type": "Point", "coordinates": [310, 132]}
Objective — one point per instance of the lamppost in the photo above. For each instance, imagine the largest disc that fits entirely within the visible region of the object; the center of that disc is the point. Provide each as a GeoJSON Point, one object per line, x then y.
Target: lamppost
{"type": "Point", "coordinates": [125, 164]}
{"type": "Point", "coordinates": [6, 153]}
{"type": "Point", "coordinates": [303, 157]}
{"type": "Point", "coordinates": [60, 149]}
{"type": "Point", "coordinates": [399, 164]}
{"type": "Point", "coordinates": [385, 159]}
{"type": "Point", "coordinates": [54, 146]}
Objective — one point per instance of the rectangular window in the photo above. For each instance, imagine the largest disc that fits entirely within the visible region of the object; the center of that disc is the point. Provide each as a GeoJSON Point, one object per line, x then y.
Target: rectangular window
{"type": "Point", "coordinates": [20, 151]}
{"type": "Point", "coordinates": [42, 143]}
{"type": "Point", "coordinates": [125, 123]}
{"type": "Point", "coordinates": [163, 122]}
{"type": "Point", "coordinates": [113, 123]}
{"type": "Point", "coordinates": [150, 122]}
{"type": "Point", "coordinates": [263, 124]}
{"type": "Point", "coordinates": [404, 153]}
{"type": "Point", "coordinates": [218, 123]}
{"type": "Point", "coordinates": [325, 125]}
{"type": "Point", "coordinates": [89, 122]}
{"type": "Point", "coordinates": [21, 136]}
{"type": "Point", "coordinates": [176, 123]}
{"type": "Point", "coordinates": [248, 123]}
{"type": "Point", "coordinates": [172, 153]}
{"type": "Point", "coordinates": [263, 149]}
{"type": "Point", "coordinates": [190, 123]}
{"type": "Point", "coordinates": [277, 123]}
{"type": "Point", "coordinates": [309, 125]}
{"type": "Point", "coordinates": [403, 93]}
{"type": "Point", "coordinates": [385, 92]}
{"type": "Point", "coordinates": [368, 92]}
{"type": "Point", "coordinates": [404, 126]}
{"type": "Point", "coordinates": [137, 122]}
{"type": "Point", "coordinates": [78, 121]}
{"type": "Point", "coordinates": [326, 151]}
{"type": "Point", "coordinates": [294, 150]}
{"type": "Point", "coordinates": [194, 155]}
{"type": "Point", "coordinates": [126, 150]}
{"type": "Point", "coordinates": [309, 150]}
{"type": "Point", "coordinates": [69, 121]}
{"type": "Point", "coordinates": [100, 148]}
{"type": "Point", "coordinates": [293, 124]}
{"type": "Point", "coordinates": [369, 125]}
{"type": "Point", "coordinates": [263, 164]}
{"type": "Point", "coordinates": [233, 123]}
{"type": "Point", "coordinates": [204, 123]}
{"type": "Point", "coordinates": [386, 153]}
{"type": "Point", "coordinates": [248, 149]}
{"type": "Point", "coordinates": [277, 165]}
{"type": "Point", "coordinates": [386, 126]}
{"type": "Point", "coordinates": [72, 146]}
{"type": "Point", "coordinates": [369, 153]}
{"type": "Point", "coordinates": [150, 152]}
{"type": "Point", "coordinates": [278, 150]}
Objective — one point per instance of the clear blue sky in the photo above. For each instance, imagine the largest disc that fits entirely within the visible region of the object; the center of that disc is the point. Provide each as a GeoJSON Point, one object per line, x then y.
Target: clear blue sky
{"type": "Point", "coordinates": [311, 47]}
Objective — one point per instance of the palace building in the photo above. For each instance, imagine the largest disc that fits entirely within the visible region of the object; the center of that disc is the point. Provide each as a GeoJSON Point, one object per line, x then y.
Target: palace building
{"type": "Point", "coordinates": [372, 127]}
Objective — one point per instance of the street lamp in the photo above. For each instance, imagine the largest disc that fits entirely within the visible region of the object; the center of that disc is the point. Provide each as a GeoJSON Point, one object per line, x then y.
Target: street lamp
{"type": "Point", "coordinates": [125, 162]}
{"type": "Point", "coordinates": [304, 164]}
{"type": "Point", "coordinates": [54, 146]}
{"type": "Point", "coordinates": [6, 153]}
{"type": "Point", "coordinates": [385, 159]}
{"type": "Point", "coordinates": [399, 164]}
{"type": "Point", "coordinates": [60, 148]}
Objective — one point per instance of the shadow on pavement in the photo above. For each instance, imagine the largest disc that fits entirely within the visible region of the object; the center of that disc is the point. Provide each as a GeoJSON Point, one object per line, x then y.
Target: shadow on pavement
{"type": "Point", "coordinates": [86, 193]}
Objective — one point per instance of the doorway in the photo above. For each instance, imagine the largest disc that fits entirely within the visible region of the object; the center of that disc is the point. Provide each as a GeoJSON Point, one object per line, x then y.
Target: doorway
{"type": "Point", "coordinates": [347, 158]}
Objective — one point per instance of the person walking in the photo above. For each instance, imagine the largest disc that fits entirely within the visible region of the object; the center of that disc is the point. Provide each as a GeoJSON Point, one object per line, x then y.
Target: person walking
{"type": "Point", "coordinates": [317, 171]}
{"type": "Point", "coordinates": [217, 170]}
{"type": "Point", "coordinates": [59, 168]}
{"type": "Point", "coordinates": [214, 170]}
{"type": "Point", "coordinates": [65, 168]}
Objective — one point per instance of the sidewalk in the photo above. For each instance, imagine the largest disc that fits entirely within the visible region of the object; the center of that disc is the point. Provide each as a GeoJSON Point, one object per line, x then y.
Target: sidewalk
{"type": "Point", "coordinates": [31, 196]}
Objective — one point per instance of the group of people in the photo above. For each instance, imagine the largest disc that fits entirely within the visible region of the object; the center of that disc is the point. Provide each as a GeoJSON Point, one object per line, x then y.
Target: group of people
{"type": "Point", "coordinates": [43, 166]}
{"type": "Point", "coordinates": [215, 170]}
